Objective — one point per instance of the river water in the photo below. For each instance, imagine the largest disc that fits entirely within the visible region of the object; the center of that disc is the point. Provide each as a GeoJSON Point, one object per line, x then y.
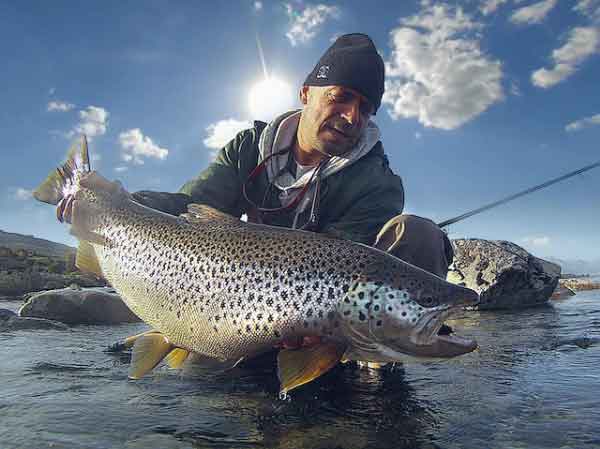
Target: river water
{"type": "Point", "coordinates": [534, 383]}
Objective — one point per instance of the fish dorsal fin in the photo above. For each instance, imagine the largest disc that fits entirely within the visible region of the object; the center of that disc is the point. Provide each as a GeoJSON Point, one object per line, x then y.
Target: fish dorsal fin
{"type": "Point", "coordinates": [297, 367]}
{"type": "Point", "coordinates": [201, 213]}
{"type": "Point", "coordinates": [176, 357]}
{"type": "Point", "coordinates": [148, 351]}
{"type": "Point", "coordinates": [86, 259]}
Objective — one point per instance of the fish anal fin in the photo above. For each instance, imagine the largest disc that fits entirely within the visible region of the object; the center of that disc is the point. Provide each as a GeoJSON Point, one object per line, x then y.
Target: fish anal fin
{"type": "Point", "coordinates": [201, 213]}
{"type": "Point", "coordinates": [297, 367]}
{"type": "Point", "coordinates": [148, 351]}
{"type": "Point", "coordinates": [86, 259]}
{"type": "Point", "coordinates": [176, 357]}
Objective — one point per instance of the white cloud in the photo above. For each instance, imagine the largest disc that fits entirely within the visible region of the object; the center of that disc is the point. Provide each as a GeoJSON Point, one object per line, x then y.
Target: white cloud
{"type": "Point", "coordinates": [437, 71]}
{"type": "Point", "coordinates": [582, 42]}
{"type": "Point", "coordinates": [418, 135]}
{"type": "Point", "coordinates": [541, 241]}
{"type": "Point", "coordinates": [589, 8]}
{"type": "Point", "coordinates": [531, 14]}
{"type": "Point", "coordinates": [220, 133]}
{"type": "Point", "coordinates": [51, 91]}
{"type": "Point", "coordinates": [23, 194]}
{"type": "Point", "coordinates": [305, 25]}
{"type": "Point", "coordinates": [121, 168]}
{"type": "Point", "coordinates": [135, 146]}
{"type": "Point", "coordinates": [583, 123]}
{"type": "Point", "coordinates": [258, 6]}
{"type": "Point", "coordinates": [490, 6]}
{"type": "Point", "coordinates": [94, 121]}
{"type": "Point", "coordinates": [60, 106]}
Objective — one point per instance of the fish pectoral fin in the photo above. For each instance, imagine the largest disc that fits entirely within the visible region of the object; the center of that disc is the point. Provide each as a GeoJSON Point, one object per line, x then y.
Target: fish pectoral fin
{"type": "Point", "coordinates": [177, 357]}
{"type": "Point", "coordinates": [297, 367]}
{"type": "Point", "coordinates": [148, 351]}
{"type": "Point", "coordinates": [86, 259]}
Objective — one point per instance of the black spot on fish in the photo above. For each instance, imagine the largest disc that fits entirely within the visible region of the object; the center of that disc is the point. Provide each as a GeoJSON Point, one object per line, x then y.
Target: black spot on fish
{"type": "Point", "coordinates": [277, 334]}
{"type": "Point", "coordinates": [309, 312]}
{"type": "Point", "coordinates": [346, 300]}
{"type": "Point", "coordinates": [379, 323]}
{"type": "Point", "coordinates": [346, 312]}
{"type": "Point", "coordinates": [361, 295]}
{"type": "Point", "coordinates": [361, 316]}
{"type": "Point", "coordinates": [403, 313]}
{"type": "Point", "coordinates": [376, 308]}
{"type": "Point", "coordinates": [248, 328]}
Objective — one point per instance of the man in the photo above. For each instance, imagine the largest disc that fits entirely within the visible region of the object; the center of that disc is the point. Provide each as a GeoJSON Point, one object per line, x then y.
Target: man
{"type": "Point", "coordinates": [322, 168]}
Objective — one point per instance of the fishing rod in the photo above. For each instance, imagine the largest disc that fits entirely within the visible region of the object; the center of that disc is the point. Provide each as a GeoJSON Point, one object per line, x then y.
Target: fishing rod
{"type": "Point", "coordinates": [517, 195]}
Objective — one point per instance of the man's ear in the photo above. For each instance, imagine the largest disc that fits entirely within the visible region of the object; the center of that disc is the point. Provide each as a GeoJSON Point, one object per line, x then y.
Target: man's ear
{"type": "Point", "coordinates": [304, 94]}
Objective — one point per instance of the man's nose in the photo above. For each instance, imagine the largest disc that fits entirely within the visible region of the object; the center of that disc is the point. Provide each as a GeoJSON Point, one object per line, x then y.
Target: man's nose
{"type": "Point", "coordinates": [351, 112]}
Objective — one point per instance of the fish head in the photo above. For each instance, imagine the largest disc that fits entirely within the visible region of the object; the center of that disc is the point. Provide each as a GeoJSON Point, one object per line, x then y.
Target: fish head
{"type": "Point", "coordinates": [385, 323]}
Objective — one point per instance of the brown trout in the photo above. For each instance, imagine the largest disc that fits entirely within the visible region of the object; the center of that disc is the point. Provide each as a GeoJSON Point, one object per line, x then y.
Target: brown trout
{"type": "Point", "coordinates": [221, 290]}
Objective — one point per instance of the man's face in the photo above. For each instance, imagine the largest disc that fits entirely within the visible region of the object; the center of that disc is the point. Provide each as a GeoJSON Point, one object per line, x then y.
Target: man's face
{"type": "Point", "coordinates": [333, 118]}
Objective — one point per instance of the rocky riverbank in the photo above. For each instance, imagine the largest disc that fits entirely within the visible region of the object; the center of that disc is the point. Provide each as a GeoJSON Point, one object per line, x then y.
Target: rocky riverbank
{"type": "Point", "coordinates": [24, 270]}
{"type": "Point", "coordinates": [580, 284]}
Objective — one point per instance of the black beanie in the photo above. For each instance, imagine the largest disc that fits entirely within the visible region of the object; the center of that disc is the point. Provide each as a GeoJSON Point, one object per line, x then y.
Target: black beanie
{"type": "Point", "coordinates": [352, 61]}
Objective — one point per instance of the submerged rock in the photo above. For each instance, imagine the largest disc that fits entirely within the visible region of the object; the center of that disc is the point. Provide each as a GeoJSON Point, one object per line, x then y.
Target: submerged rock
{"type": "Point", "coordinates": [79, 306]}
{"type": "Point", "coordinates": [10, 321]}
{"type": "Point", "coordinates": [504, 274]}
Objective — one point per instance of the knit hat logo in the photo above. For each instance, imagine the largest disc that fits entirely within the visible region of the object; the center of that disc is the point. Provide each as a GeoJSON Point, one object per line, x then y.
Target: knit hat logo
{"type": "Point", "coordinates": [323, 72]}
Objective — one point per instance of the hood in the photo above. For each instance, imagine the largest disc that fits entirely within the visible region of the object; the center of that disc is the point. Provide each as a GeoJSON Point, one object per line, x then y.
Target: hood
{"type": "Point", "coordinates": [280, 134]}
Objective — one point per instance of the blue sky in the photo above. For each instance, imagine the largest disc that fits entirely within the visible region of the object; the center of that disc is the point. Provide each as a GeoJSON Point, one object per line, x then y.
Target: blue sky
{"type": "Point", "coordinates": [483, 98]}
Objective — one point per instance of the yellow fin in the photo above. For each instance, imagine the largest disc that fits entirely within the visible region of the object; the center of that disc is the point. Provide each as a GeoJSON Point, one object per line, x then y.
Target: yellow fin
{"type": "Point", "coordinates": [297, 367]}
{"type": "Point", "coordinates": [201, 213]}
{"type": "Point", "coordinates": [86, 259]}
{"type": "Point", "coordinates": [148, 351]}
{"type": "Point", "coordinates": [176, 357]}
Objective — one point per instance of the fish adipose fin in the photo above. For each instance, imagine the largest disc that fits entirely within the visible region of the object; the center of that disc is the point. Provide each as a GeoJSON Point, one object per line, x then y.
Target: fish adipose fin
{"type": "Point", "coordinates": [297, 367]}
{"type": "Point", "coordinates": [201, 213]}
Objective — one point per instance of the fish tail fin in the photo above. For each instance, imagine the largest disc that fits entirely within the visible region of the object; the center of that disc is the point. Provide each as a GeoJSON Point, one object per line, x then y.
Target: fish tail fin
{"type": "Point", "coordinates": [63, 180]}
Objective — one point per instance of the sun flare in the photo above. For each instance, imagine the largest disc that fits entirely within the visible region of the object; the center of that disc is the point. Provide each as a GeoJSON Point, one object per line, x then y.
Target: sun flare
{"type": "Point", "coordinates": [269, 98]}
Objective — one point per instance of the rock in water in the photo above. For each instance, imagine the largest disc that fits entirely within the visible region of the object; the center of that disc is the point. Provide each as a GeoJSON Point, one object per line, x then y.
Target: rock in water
{"type": "Point", "coordinates": [504, 274]}
{"type": "Point", "coordinates": [79, 306]}
{"type": "Point", "coordinates": [10, 321]}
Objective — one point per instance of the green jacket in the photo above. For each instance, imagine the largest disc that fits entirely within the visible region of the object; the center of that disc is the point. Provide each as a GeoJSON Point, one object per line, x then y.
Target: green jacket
{"type": "Point", "coordinates": [354, 203]}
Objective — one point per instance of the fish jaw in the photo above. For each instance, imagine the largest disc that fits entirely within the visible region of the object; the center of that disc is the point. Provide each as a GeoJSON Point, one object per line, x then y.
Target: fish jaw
{"type": "Point", "coordinates": [383, 324]}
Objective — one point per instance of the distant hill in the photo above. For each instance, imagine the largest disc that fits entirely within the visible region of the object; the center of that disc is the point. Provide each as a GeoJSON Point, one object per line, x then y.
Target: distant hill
{"type": "Point", "coordinates": [577, 266]}
{"type": "Point", "coordinates": [39, 246]}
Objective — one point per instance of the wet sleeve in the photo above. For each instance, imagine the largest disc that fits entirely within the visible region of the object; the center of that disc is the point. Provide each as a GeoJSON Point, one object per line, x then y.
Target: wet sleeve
{"type": "Point", "coordinates": [366, 215]}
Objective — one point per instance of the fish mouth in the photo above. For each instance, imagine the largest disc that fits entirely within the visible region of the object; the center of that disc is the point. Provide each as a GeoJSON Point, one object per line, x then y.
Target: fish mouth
{"type": "Point", "coordinates": [434, 338]}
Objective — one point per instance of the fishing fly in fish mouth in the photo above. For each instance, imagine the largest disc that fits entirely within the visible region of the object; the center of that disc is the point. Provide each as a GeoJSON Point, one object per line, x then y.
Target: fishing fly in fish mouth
{"type": "Point", "coordinates": [217, 290]}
